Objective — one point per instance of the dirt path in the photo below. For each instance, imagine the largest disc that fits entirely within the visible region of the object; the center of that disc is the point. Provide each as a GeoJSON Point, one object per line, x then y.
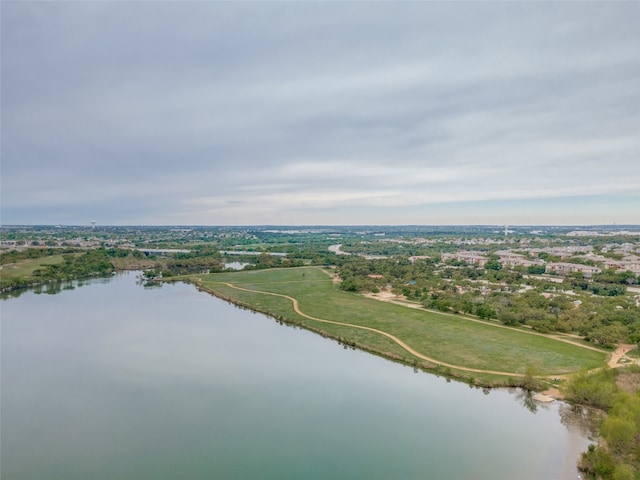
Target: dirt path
{"type": "Point", "coordinates": [380, 332]}
{"type": "Point", "coordinates": [390, 298]}
{"type": "Point", "coordinates": [551, 393]}
{"type": "Point", "coordinates": [620, 352]}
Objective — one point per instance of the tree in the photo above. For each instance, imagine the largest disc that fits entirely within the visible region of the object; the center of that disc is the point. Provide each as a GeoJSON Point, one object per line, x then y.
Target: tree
{"type": "Point", "coordinates": [484, 310]}
{"type": "Point", "coordinates": [507, 317]}
{"type": "Point", "coordinates": [609, 335]}
{"type": "Point", "coordinates": [529, 381]}
{"type": "Point", "coordinates": [596, 389]}
{"type": "Point", "coordinates": [536, 269]}
{"type": "Point", "coordinates": [493, 265]}
{"type": "Point", "coordinates": [597, 461]}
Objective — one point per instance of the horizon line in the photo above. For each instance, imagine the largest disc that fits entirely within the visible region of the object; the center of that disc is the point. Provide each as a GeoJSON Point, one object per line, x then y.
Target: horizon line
{"type": "Point", "coordinates": [90, 225]}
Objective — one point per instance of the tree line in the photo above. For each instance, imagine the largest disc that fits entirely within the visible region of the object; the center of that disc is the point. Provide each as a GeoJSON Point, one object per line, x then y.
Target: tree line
{"type": "Point", "coordinates": [512, 297]}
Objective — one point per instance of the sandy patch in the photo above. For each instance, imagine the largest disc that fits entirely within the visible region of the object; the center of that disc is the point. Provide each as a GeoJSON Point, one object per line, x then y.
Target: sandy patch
{"type": "Point", "coordinates": [619, 354]}
{"type": "Point", "coordinates": [541, 397]}
{"type": "Point", "coordinates": [387, 296]}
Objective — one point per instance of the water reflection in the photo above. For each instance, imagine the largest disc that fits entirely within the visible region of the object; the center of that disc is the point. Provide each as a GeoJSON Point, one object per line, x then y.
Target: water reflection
{"type": "Point", "coordinates": [526, 399]}
{"type": "Point", "coordinates": [13, 293]}
{"type": "Point", "coordinates": [583, 420]}
{"type": "Point", "coordinates": [169, 380]}
{"type": "Point", "coordinates": [51, 288]}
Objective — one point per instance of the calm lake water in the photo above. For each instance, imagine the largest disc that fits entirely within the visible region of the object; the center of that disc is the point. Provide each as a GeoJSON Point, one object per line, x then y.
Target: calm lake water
{"type": "Point", "coordinates": [115, 381]}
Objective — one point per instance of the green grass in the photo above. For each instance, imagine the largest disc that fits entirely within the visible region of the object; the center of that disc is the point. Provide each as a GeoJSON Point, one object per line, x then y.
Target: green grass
{"type": "Point", "coordinates": [24, 268]}
{"type": "Point", "coordinates": [446, 338]}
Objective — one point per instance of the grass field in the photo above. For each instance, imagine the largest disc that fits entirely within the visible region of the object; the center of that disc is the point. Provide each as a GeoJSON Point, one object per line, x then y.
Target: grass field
{"type": "Point", "coordinates": [447, 339]}
{"type": "Point", "coordinates": [24, 268]}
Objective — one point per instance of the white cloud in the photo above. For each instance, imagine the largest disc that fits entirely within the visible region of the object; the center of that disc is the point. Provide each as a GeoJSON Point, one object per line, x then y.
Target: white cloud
{"type": "Point", "coordinates": [256, 112]}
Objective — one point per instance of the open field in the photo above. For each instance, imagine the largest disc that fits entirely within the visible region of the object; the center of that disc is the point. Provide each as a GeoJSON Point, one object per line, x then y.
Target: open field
{"type": "Point", "coordinates": [438, 341]}
{"type": "Point", "coordinates": [24, 268]}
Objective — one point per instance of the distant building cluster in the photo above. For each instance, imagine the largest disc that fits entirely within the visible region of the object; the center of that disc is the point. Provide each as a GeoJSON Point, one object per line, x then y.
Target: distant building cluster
{"type": "Point", "coordinates": [591, 263]}
{"type": "Point", "coordinates": [472, 258]}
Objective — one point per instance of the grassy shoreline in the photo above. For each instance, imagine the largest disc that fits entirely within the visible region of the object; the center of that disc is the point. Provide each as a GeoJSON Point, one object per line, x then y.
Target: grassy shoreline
{"type": "Point", "coordinates": [453, 346]}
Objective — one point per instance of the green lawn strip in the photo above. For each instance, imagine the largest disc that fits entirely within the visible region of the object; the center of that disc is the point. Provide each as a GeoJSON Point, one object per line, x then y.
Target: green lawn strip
{"type": "Point", "coordinates": [457, 341]}
{"type": "Point", "coordinates": [449, 339]}
{"type": "Point", "coordinates": [273, 275]}
{"type": "Point", "coordinates": [350, 337]}
{"type": "Point", "coordinates": [282, 308]}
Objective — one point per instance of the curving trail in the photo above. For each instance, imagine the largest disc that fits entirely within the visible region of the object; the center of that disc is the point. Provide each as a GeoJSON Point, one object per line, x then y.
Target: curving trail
{"type": "Point", "coordinates": [380, 332]}
{"type": "Point", "coordinates": [620, 353]}
{"type": "Point", "coordinates": [565, 338]}
{"type": "Point", "coordinates": [612, 361]}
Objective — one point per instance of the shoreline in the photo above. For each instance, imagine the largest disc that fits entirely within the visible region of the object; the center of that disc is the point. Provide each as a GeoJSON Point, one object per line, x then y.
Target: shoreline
{"type": "Point", "coordinates": [439, 369]}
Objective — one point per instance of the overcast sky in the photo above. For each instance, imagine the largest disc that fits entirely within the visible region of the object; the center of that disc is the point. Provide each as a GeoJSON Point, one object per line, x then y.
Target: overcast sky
{"type": "Point", "coordinates": [293, 113]}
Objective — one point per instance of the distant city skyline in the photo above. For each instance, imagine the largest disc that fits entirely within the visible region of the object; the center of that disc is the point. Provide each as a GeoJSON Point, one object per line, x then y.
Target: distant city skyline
{"type": "Point", "coordinates": [310, 113]}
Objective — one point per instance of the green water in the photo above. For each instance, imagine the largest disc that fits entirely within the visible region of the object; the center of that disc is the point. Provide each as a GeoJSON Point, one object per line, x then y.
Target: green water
{"type": "Point", "coordinates": [115, 381]}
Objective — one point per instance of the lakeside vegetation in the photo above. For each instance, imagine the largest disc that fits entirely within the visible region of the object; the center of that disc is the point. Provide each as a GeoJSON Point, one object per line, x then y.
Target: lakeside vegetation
{"type": "Point", "coordinates": [449, 340]}
{"type": "Point", "coordinates": [526, 310]}
{"type": "Point", "coordinates": [39, 266]}
{"type": "Point", "coordinates": [33, 267]}
{"type": "Point", "coordinates": [617, 456]}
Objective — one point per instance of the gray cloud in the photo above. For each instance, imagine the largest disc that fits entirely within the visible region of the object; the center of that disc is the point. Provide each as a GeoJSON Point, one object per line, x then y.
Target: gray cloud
{"type": "Point", "coordinates": [216, 112]}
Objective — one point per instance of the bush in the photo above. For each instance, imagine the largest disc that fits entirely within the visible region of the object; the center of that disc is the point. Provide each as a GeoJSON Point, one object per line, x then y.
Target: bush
{"type": "Point", "coordinates": [595, 389]}
{"type": "Point", "coordinates": [597, 461]}
{"type": "Point", "coordinates": [623, 472]}
{"type": "Point", "coordinates": [619, 433]}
